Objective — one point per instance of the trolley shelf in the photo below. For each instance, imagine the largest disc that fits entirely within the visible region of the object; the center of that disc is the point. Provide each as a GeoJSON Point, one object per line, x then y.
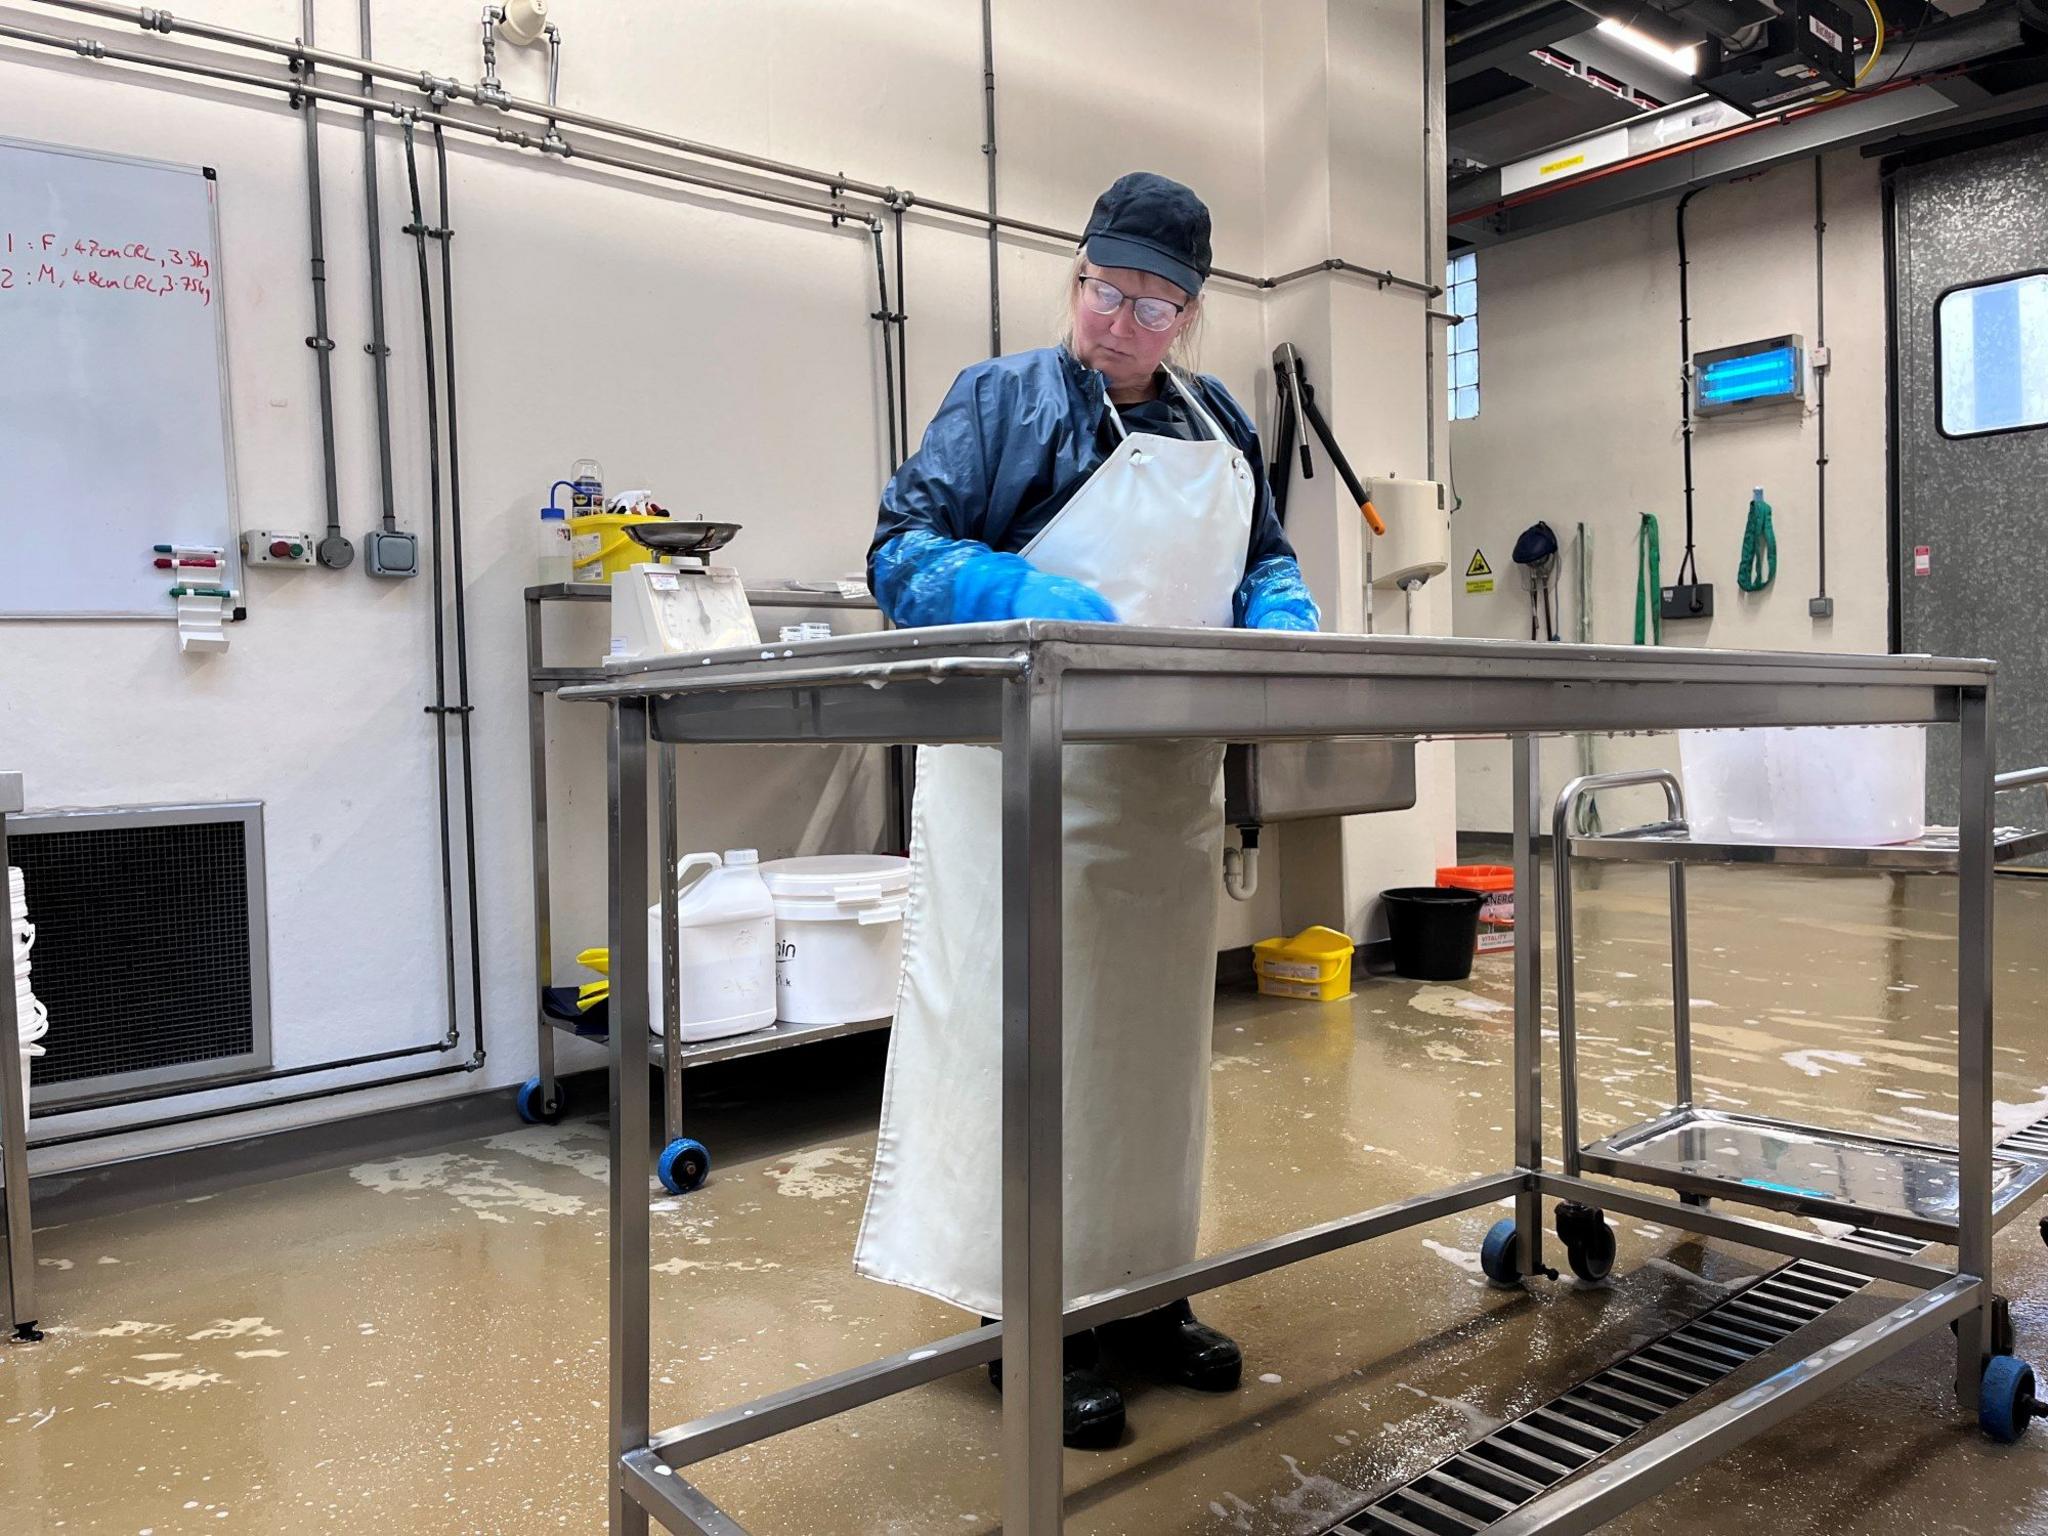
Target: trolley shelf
{"type": "Point", "coordinates": [1932, 853]}
{"type": "Point", "coordinates": [1891, 1185]}
{"type": "Point", "coordinates": [733, 1047]}
{"type": "Point", "coordinates": [760, 597]}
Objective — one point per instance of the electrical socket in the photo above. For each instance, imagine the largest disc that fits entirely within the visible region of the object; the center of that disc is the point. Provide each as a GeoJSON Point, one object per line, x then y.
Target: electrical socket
{"type": "Point", "coordinates": [264, 546]}
{"type": "Point", "coordinates": [1693, 601]}
{"type": "Point", "coordinates": [389, 553]}
{"type": "Point", "coordinates": [1820, 607]}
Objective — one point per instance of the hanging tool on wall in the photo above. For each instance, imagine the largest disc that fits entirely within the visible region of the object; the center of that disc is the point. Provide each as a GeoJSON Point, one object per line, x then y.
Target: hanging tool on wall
{"type": "Point", "coordinates": [1298, 414]}
{"type": "Point", "coordinates": [1758, 567]}
{"type": "Point", "coordinates": [1536, 554]}
{"type": "Point", "coordinates": [1649, 583]}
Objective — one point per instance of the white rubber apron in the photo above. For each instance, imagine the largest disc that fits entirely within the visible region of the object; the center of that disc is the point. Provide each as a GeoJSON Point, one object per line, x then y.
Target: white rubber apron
{"type": "Point", "coordinates": [1162, 530]}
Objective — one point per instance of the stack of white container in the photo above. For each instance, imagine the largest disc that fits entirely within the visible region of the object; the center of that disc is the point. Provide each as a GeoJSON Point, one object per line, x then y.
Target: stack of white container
{"type": "Point", "coordinates": [31, 1017]}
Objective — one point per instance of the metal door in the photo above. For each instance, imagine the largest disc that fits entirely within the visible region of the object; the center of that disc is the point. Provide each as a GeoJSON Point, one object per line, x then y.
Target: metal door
{"type": "Point", "coordinates": [1971, 558]}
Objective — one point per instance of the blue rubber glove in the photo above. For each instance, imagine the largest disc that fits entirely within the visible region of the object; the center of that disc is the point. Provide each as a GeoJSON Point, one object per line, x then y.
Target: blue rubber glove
{"type": "Point", "coordinates": [1273, 596]}
{"type": "Point", "coordinates": [920, 578]}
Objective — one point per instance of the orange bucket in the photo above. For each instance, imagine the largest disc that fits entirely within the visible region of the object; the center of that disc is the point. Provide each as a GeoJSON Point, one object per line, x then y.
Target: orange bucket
{"type": "Point", "coordinates": [1496, 882]}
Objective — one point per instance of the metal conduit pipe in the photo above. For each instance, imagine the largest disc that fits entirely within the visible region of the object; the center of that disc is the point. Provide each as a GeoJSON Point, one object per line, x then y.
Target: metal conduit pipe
{"type": "Point", "coordinates": [439, 709]}
{"type": "Point", "coordinates": [149, 19]}
{"type": "Point", "coordinates": [334, 550]}
{"type": "Point", "coordinates": [888, 319]}
{"type": "Point", "coordinates": [463, 708]}
{"type": "Point", "coordinates": [988, 148]}
{"type": "Point", "coordinates": [378, 348]}
{"type": "Point", "coordinates": [92, 48]}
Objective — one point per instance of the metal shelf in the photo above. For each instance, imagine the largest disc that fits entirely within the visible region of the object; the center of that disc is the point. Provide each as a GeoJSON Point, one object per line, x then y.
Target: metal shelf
{"type": "Point", "coordinates": [1671, 843]}
{"type": "Point", "coordinates": [733, 1047]}
{"type": "Point", "coordinates": [1881, 1182]}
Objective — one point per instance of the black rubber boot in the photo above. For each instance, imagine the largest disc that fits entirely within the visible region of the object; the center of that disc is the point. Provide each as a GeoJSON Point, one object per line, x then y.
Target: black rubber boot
{"type": "Point", "coordinates": [1091, 1408]}
{"type": "Point", "coordinates": [1172, 1346]}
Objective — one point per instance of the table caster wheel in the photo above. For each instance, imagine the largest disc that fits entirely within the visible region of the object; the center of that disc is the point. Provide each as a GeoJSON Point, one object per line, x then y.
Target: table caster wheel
{"type": "Point", "coordinates": [533, 1106]}
{"type": "Point", "coordinates": [683, 1166]}
{"type": "Point", "coordinates": [1588, 1241]}
{"type": "Point", "coordinates": [2005, 1401]}
{"type": "Point", "coordinates": [1497, 1259]}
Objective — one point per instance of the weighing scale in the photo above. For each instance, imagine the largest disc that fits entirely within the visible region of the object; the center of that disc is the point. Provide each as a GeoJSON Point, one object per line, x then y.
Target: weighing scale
{"type": "Point", "coordinates": [671, 610]}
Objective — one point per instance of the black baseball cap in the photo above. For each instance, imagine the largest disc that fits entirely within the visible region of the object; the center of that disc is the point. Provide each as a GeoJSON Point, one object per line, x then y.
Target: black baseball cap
{"type": "Point", "coordinates": [1153, 224]}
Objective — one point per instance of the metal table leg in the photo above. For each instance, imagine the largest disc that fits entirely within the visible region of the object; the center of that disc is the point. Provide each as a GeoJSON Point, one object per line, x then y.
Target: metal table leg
{"type": "Point", "coordinates": [671, 955]}
{"type": "Point", "coordinates": [20, 1232]}
{"type": "Point", "coordinates": [543, 921]}
{"type": "Point", "coordinates": [1033, 1260]}
{"type": "Point", "coordinates": [630, 1348]}
{"type": "Point", "coordinates": [1973, 1038]}
{"type": "Point", "coordinates": [1528, 866]}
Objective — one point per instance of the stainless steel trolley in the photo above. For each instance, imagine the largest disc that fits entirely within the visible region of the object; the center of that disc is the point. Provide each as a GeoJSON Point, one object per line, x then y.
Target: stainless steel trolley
{"type": "Point", "coordinates": [684, 1162]}
{"type": "Point", "coordinates": [1881, 1183]}
{"type": "Point", "coordinates": [16, 1227]}
{"type": "Point", "coordinates": [1029, 688]}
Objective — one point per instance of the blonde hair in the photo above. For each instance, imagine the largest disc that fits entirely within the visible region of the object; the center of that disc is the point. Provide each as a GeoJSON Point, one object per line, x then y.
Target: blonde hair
{"type": "Point", "coordinates": [1186, 352]}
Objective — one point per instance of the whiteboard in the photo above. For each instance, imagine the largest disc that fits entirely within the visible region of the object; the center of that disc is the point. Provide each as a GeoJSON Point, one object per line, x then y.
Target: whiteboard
{"type": "Point", "coordinates": [114, 428]}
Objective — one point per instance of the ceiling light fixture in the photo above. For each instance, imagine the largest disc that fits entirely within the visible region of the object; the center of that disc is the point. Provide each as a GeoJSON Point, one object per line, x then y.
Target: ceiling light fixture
{"type": "Point", "coordinates": [1685, 60]}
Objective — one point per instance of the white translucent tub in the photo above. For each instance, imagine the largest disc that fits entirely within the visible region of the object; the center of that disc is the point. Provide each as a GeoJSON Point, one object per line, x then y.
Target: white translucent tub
{"type": "Point", "coordinates": [1853, 786]}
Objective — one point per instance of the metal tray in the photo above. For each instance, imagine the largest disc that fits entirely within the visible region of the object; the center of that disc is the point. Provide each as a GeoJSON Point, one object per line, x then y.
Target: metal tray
{"type": "Point", "coordinates": [1892, 1185]}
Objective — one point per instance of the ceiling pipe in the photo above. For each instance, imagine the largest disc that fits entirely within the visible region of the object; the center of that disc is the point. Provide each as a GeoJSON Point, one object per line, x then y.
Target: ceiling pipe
{"type": "Point", "coordinates": [151, 19]}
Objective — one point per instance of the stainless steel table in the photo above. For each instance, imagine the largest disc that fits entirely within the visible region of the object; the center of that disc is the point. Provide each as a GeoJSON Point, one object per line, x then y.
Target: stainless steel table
{"type": "Point", "coordinates": [16, 1224]}
{"type": "Point", "coordinates": [1031, 687]}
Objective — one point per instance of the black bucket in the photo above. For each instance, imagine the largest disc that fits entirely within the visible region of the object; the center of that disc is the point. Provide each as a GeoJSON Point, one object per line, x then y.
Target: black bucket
{"type": "Point", "coordinates": [1434, 929]}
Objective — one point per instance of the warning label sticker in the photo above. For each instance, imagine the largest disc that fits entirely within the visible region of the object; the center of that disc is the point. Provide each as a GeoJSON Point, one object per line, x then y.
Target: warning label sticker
{"type": "Point", "coordinates": [1478, 575]}
{"type": "Point", "coordinates": [1477, 565]}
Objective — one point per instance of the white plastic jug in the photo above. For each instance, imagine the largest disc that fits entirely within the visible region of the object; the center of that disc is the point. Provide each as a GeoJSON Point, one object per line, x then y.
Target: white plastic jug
{"type": "Point", "coordinates": [838, 935]}
{"type": "Point", "coordinates": [725, 943]}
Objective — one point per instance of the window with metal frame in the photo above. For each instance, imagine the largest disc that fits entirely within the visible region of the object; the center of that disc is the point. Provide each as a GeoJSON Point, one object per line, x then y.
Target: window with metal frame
{"type": "Point", "coordinates": [1461, 297]}
{"type": "Point", "coordinates": [1991, 355]}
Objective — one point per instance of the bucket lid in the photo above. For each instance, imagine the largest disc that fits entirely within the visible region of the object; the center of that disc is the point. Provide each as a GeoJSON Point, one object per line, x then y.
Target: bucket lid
{"type": "Point", "coordinates": [819, 876]}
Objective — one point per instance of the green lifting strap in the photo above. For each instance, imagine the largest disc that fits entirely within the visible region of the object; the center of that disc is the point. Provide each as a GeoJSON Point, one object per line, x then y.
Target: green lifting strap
{"type": "Point", "coordinates": [1649, 583]}
{"type": "Point", "coordinates": [1759, 564]}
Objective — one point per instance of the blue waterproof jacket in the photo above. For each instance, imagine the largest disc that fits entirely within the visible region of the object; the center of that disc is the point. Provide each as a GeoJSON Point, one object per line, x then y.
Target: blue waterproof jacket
{"type": "Point", "coordinates": [1013, 441]}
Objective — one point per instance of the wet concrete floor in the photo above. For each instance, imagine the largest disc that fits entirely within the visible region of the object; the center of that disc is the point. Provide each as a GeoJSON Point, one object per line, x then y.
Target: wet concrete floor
{"type": "Point", "coordinates": [416, 1344]}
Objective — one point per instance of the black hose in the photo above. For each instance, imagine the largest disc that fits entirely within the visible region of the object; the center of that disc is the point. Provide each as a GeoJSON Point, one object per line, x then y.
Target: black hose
{"type": "Point", "coordinates": [1688, 567]}
{"type": "Point", "coordinates": [462, 704]}
{"type": "Point", "coordinates": [439, 709]}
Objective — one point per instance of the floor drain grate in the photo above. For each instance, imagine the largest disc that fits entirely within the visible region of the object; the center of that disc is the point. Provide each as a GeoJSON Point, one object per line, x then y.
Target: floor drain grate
{"type": "Point", "coordinates": [1506, 1468]}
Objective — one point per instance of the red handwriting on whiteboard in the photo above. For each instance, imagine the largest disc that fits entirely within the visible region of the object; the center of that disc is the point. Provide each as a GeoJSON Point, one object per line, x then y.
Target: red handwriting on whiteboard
{"type": "Point", "coordinates": [51, 262]}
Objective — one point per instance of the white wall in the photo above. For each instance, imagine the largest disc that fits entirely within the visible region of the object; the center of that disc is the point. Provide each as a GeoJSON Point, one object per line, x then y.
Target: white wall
{"type": "Point", "coordinates": [717, 352]}
{"type": "Point", "coordinates": [1579, 422]}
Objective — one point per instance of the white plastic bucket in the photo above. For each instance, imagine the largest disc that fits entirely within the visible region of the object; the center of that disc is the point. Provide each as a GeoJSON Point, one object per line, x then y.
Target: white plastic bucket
{"type": "Point", "coordinates": [725, 943]}
{"type": "Point", "coordinates": [1828, 786]}
{"type": "Point", "coordinates": [838, 935]}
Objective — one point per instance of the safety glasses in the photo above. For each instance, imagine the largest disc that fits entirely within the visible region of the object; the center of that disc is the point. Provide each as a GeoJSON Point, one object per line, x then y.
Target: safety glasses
{"type": "Point", "coordinates": [1107, 299]}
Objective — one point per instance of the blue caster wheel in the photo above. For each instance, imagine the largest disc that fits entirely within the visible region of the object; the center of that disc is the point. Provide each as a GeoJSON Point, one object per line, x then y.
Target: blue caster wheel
{"type": "Point", "coordinates": [683, 1166]}
{"type": "Point", "coordinates": [1497, 1255]}
{"type": "Point", "coordinates": [533, 1106]}
{"type": "Point", "coordinates": [2005, 1402]}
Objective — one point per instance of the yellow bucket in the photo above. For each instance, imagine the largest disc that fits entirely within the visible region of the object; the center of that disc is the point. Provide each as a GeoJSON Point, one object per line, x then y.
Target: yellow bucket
{"type": "Point", "coordinates": [1315, 964]}
{"type": "Point", "coordinates": [600, 549]}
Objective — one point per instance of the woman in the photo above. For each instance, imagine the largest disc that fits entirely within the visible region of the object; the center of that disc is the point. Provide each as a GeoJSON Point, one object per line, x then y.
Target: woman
{"type": "Point", "coordinates": [1087, 481]}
